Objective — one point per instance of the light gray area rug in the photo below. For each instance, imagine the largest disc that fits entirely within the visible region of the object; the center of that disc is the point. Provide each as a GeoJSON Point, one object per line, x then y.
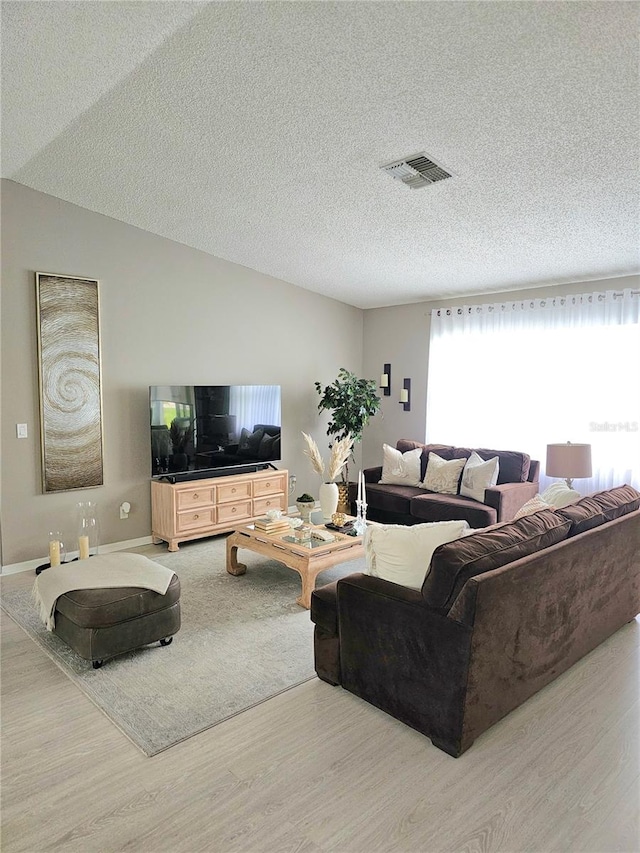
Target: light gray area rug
{"type": "Point", "coordinates": [243, 640]}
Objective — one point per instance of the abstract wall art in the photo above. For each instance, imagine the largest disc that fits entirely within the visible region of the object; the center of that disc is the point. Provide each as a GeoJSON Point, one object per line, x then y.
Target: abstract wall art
{"type": "Point", "coordinates": [70, 384]}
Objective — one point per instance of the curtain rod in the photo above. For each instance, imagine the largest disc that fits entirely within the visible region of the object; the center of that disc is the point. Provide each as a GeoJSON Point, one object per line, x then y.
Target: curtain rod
{"type": "Point", "coordinates": [616, 294]}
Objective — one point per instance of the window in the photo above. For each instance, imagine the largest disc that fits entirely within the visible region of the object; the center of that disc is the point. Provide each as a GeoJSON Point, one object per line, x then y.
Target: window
{"type": "Point", "coordinates": [521, 375]}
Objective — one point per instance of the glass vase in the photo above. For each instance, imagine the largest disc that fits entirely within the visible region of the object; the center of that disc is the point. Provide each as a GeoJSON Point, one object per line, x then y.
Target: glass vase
{"type": "Point", "coordinates": [57, 553]}
{"type": "Point", "coordinates": [88, 530]}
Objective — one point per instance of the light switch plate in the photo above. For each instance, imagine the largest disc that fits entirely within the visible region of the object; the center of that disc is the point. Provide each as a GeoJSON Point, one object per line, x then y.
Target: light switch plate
{"type": "Point", "coordinates": [21, 431]}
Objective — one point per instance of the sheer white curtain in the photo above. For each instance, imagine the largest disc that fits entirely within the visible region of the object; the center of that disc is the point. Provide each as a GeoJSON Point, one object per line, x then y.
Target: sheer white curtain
{"type": "Point", "coordinates": [521, 375]}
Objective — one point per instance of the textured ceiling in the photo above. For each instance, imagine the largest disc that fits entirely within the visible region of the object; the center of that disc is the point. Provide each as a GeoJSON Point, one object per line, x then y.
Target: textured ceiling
{"type": "Point", "coordinates": [255, 130]}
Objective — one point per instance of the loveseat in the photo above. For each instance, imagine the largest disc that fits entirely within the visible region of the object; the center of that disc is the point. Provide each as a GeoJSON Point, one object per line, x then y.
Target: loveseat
{"type": "Point", "coordinates": [399, 503]}
{"type": "Point", "coordinates": [501, 613]}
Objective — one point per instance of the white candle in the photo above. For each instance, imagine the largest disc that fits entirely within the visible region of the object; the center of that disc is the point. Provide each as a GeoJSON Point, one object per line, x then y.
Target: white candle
{"type": "Point", "coordinates": [404, 395]}
{"type": "Point", "coordinates": [54, 552]}
{"type": "Point", "coordinates": [359, 485]}
{"type": "Point", "coordinates": [364, 492]}
{"type": "Point", "coordinates": [83, 545]}
{"type": "Point", "coordinates": [384, 380]}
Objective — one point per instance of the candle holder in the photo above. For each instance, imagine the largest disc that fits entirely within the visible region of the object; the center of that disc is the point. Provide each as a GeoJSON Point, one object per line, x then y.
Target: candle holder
{"type": "Point", "coordinates": [88, 533]}
{"type": "Point", "coordinates": [57, 553]}
{"type": "Point", "coordinates": [360, 524]}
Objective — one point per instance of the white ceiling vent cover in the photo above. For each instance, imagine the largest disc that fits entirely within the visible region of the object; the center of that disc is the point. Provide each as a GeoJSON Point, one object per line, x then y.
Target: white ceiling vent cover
{"type": "Point", "coordinates": [417, 171]}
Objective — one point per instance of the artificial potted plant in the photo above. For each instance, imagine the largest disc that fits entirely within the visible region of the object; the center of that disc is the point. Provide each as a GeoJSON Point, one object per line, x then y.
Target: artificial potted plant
{"type": "Point", "coordinates": [305, 504]}
{"type": "Point", "coordinates": [352, 402]}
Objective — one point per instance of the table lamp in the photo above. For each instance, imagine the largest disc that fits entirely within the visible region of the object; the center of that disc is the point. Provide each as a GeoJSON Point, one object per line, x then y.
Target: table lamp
{"type": "Point", "coordinates": [569, 461]}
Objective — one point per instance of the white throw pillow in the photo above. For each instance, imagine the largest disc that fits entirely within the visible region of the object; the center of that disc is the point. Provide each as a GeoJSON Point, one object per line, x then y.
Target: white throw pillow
{"type": "Point", "coordinates": [534, 504]}
{"type": "Point", "coordinates": [479, 475]}
{"type": "Point", "coordinates": [559, 495]}
{"type": "Point", "coordinates": [401, 469]}
{"type": "Point", "coordinates": [401, 554]}
{"type": "Point", "coordinates": [442, 476]}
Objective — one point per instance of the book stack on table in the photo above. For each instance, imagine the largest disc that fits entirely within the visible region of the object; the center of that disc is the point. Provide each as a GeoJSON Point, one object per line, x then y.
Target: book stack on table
{"type": "Point", "coordinates": [275, 525]}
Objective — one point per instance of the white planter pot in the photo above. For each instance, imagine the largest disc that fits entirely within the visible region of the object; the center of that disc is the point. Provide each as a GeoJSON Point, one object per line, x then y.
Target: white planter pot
{"type": "Point", "coordinates": [328, 500]}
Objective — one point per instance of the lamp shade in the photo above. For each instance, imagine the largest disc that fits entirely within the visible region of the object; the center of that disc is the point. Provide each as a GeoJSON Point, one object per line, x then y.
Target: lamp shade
{"type": "Point", "coordinates": [568, 460]}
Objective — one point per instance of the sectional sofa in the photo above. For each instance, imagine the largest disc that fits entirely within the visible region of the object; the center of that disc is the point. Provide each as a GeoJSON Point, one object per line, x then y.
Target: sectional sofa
{"type": "Point", "coordinates": [501, 613]}
{"type": "Point", "coordinates": [394, 503]}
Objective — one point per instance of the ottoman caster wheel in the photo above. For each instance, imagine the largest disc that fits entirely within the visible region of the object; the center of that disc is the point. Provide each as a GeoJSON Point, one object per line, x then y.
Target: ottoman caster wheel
{"type": "Point", "coordinates": [166, 641]}
{"type": "Point", "coordinates": [96, 664]}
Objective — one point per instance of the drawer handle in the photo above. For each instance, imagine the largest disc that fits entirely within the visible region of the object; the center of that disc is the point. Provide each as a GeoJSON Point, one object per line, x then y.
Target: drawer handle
{"type": "Point", "coordinates": [196, 517]}
{"type": "Point", "coordinates": [268, 485]}
{"type": "Point", "coordinates": [268, 503]}
{"type": "Point", "coordinates": [233, 490]}
{"type": "Point", "coordinates": [196, 496]}
{"type": "Point", "coordinates": [233, 509]}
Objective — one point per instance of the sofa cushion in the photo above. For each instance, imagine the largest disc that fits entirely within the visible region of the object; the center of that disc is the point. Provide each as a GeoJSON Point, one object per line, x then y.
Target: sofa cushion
{"type": "Point", "coordinates": [454, 563]}
{"type": "Point", "coordinates": [402, 554]}
{"type": "Point", "coordinates": [594, 510]}
{"type": "Point", "coordinates": [443, 476]}
{"type": "Point", "coordinates": [514, 466]}
{"type": "Point", "coordinates": [391, 498]}
{"type": "Point", "coordinates": [401, 469]}
{"type": "Point", "coordinates": [478, 476]}
{"type": "Point", "coordinates": [428, 506]}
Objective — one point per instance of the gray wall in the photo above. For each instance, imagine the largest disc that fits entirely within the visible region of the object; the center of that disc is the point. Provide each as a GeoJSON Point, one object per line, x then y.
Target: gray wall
{"type": "Point", "coordinates": [400, 336]}
{"type": "Point", "coordinates": [173, 315]}
{"type": "Point", "coordinates": [169, 315]}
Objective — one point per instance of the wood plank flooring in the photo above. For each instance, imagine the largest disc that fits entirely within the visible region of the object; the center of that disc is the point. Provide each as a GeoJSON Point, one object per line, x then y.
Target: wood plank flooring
{"type": "Point", "coordinates": [316, 770]}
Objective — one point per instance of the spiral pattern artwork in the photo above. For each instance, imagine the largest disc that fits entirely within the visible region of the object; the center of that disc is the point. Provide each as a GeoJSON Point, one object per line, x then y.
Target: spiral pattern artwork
{"type": "Point", "coordinates": [70, 391]}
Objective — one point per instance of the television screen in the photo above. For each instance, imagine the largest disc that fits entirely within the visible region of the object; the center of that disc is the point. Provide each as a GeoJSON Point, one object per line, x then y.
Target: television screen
{"type": "Point", "coordinates": [200, 428]}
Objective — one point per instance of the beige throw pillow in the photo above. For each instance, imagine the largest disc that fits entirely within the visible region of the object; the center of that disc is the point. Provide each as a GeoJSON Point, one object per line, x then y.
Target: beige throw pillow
{"type": "Point", "coordinates": [534, 504]}
{"type": "Point", "coordinates": [479, 475]}
{"type": "Point", "coordinates": [402, 554]}
{"type": "Point", "coordinates": [560, 495]}
{"type": "Point", "coordinates": [402, 469]}
{"type": "Point", "coordinates": [443, 476]}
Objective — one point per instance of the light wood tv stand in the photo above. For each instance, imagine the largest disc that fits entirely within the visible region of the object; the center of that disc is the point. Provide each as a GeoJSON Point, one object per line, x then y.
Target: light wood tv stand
{"type": "Point", "coordinates": [195, 509]}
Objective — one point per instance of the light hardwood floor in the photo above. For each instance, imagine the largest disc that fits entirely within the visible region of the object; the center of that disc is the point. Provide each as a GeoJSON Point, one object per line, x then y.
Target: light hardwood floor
{"type": "Point", "coordinates": [316, 769]}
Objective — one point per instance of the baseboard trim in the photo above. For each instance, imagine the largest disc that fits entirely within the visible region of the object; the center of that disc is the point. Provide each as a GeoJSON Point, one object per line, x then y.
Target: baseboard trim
{"type": "Point", "coordinates": [32, 565]}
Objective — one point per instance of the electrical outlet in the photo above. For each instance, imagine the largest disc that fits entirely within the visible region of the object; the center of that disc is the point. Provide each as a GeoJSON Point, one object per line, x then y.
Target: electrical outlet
{"type": "Point", "coordinates": [125, 509]}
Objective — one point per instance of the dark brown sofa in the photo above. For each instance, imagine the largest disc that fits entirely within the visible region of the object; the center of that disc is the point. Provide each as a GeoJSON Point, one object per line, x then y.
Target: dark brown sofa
{"type": "Point", "coordinates": [501, 613]}
{"type": "Point", "coordinates": [391, 504]}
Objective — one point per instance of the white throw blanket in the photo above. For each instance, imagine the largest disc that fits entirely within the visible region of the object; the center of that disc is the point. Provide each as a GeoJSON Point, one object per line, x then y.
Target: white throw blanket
{"type": "Point", "coordinates": [100, 572]}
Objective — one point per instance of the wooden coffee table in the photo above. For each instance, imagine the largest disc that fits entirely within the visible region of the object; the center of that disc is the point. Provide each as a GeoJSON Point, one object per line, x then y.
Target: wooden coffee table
{"type": "Point", "coordinates": [307, 560]}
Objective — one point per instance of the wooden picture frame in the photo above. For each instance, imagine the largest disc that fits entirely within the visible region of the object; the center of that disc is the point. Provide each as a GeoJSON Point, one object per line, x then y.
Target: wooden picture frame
{"type": "Point", "coordinates": [69, 372]}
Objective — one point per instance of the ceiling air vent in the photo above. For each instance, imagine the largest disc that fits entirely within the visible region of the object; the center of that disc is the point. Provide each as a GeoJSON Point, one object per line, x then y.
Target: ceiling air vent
{"type": "Point", "coordinates": [415, 172]}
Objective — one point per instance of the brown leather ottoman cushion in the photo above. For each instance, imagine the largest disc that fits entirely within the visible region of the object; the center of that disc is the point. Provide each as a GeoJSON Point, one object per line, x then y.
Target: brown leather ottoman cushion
{"type": "Point", "coordinates": [100, 608]}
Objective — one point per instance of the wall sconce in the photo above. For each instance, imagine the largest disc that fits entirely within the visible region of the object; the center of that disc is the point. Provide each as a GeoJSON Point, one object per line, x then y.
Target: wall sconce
{"type": "Point", "coordinates": [385, 380]}
{"type": "Point", "coordinates": [405, 395]}
{"type": "Point", "coordinates": [569, 461]}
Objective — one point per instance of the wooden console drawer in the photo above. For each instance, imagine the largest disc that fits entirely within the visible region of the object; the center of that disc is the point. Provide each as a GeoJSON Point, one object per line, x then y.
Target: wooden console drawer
{"type": "Point", "coordinates": [232, 512]}
{"type": "Point", "coordinates": [262, 505]}
{"type": "Point", "coordinates": [191, 498]}
{"type": "Point", "coordinates": [196, 520]}
{"type": "Point", "coordinates": [234, 491]}
{"type": "Point", "coordinates": [269, 485]}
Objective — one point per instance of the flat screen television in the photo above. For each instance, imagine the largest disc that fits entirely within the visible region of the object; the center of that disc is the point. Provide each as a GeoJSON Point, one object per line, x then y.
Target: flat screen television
{"type": "Point", "coordinates": [203, 430]}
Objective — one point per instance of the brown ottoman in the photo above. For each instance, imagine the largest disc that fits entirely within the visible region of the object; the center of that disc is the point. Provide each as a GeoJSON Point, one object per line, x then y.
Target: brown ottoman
{"type": "Point", "coordinates": [102, 623]}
